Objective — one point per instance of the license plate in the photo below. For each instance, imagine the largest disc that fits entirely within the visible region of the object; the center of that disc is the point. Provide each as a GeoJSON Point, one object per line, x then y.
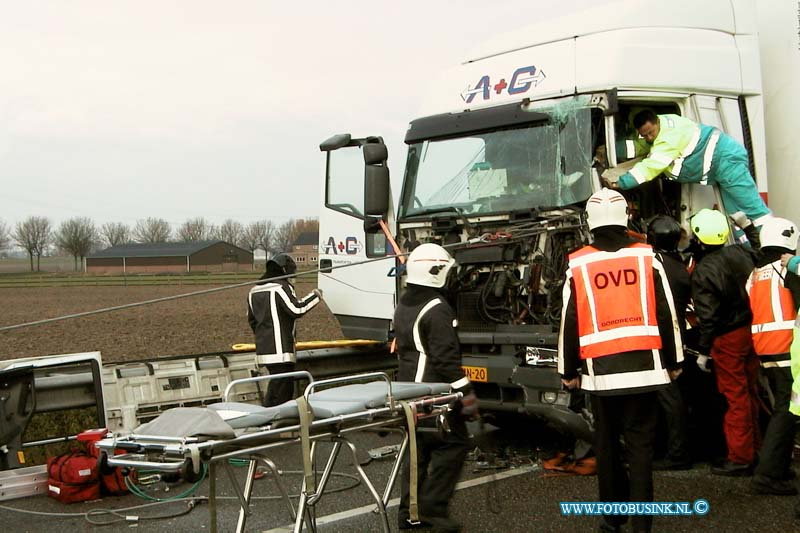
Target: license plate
{"type": "Point", "coordinates": [476, 373]}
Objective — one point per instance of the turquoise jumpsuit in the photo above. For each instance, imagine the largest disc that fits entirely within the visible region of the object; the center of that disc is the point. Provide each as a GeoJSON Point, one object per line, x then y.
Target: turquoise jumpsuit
{"type": "Point", "coordinates": [696, 153]}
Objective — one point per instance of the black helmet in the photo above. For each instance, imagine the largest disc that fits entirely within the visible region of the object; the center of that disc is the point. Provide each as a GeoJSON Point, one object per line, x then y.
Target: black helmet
{"type": "Point", "coordinates": [280, 265]}
{"type": "Point", "coordinates": [663, 233]}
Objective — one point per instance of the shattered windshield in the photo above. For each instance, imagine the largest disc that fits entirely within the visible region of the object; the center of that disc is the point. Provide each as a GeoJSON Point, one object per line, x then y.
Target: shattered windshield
{"type": "Point", "coordinates": [527, 166]}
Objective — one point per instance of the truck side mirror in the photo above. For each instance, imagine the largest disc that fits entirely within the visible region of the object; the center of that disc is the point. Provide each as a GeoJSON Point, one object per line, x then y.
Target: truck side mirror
{"type": "Point", "coordinates": [334, 143]}
{"type": "Point", "coordinates": [376, 180]}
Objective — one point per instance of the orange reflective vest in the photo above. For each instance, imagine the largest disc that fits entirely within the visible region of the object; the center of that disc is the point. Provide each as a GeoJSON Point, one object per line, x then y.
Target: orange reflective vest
{"type": "Point", "coordinates": [615, 300]}
{"type": "Point", "coordinates": [773, 309]}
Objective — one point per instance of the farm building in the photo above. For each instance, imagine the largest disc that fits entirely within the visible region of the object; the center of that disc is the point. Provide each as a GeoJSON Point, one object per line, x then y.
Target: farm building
{"type": "Point", "coordinates": [305, 249]}
{"type": "Point", "coordinates": [200, 256]}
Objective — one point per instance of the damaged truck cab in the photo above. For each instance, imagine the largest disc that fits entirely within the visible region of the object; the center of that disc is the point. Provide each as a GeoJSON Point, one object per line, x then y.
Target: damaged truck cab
{"type": "Point", "coordinates": [509, 146]}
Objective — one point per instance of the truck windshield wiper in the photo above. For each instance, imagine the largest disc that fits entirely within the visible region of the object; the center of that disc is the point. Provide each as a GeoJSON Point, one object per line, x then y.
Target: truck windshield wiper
{"type": "Point", "coordinates": [443, 209]}
{"type": "Point", "coordinates": [433, 210]}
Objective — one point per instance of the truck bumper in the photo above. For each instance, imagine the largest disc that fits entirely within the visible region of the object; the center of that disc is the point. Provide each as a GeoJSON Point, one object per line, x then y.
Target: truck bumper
{"type": "Point", "coordinates": [530, 390]}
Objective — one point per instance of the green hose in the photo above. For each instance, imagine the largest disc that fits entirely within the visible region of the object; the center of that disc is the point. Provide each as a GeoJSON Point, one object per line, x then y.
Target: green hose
{"type": "Point", "coordinates": [188, 492]}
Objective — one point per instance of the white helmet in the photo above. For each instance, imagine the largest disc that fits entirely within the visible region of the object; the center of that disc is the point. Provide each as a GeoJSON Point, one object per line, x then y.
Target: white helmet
{"type": "Point", "coordinates": [428, 265]}
{"type": "Point", "coordinates": [606, 208]}
{"type": "Point", "coordinates": [780, 233]}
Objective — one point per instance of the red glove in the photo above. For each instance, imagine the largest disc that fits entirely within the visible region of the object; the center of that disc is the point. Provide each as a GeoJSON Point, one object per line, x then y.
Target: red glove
{"type": "Point", "coordinates": [469, 405]}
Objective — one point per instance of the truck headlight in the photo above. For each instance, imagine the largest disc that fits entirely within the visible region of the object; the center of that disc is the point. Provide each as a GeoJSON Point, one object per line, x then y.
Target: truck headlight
{"type": "Point", "coordinates": [552, 397]}
{"type": "Point", "coordinates": [549, 397]}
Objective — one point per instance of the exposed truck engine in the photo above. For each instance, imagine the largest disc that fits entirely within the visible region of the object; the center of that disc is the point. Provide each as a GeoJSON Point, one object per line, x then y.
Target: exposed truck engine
{"type": "Point", "coordinates": [508, 146]}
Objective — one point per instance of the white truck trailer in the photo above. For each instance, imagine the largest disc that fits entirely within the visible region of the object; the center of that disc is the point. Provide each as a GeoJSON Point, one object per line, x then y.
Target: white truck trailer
{"type": "Point", "coordinates": [510, 143]}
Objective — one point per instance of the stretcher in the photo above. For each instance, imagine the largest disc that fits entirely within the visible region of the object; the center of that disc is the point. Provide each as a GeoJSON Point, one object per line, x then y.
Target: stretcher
{"type": "Point", "coordinates": [187, 440]}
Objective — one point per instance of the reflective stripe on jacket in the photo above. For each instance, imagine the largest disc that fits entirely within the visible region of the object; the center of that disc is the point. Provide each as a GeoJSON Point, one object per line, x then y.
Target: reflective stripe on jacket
{"type": "Point", "coordinates": [774, 312]}
{"type": "Point", "coordinates": [427, 341]}
{"type": "Point", "coordinates": [615, 299]}
{"type": "Point", "coordinates": [625, 372]}
{"type": "Point", "coordinates": [272, 309]}
{"type": "Point", "coordinates": [683, 149]}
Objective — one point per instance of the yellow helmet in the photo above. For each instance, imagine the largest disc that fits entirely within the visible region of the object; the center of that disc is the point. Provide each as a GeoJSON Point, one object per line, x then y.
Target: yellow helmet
{"type": "Point", "coordinates": [711, 227]}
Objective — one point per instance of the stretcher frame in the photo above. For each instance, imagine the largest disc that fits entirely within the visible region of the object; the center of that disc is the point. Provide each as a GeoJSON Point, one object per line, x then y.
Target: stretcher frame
{"type": "Point", "coordinates": [179, 454]}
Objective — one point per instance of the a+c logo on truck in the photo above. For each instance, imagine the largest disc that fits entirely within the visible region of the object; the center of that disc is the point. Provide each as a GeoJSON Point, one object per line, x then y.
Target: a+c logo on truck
{"type": "Point", "coordinates": [521, 81]}
{"type": "Point", "coordinates": [350, 246]}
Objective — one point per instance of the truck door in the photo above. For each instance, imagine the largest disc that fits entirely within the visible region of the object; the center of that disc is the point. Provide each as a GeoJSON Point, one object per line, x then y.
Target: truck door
{"type": "Point", "coordinates": [722, 113]}
{"type": "Point", "coordinates": [361, 297]}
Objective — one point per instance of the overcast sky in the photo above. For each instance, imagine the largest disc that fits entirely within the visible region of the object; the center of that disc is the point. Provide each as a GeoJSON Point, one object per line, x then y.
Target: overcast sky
{"type": "Point", "coordinates": [127, 109]}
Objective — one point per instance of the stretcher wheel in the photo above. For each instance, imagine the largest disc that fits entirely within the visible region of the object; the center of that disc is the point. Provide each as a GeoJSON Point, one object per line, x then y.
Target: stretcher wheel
{"type": "Point", "coordinates": [188, 473]}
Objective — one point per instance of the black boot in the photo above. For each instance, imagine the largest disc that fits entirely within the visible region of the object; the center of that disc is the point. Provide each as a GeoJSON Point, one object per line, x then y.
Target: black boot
{"type": "Point", "coordinates": [731, 469]}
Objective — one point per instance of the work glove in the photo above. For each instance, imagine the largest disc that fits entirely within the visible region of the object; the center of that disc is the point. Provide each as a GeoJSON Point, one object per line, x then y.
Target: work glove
{"type": "Point", "coordinates": [702, 362]}
{"type": "Point", "coordinates": [318, 292]}
{"type": "Point", "coordinates": [740, 219]}
{"type": "Point", "coordinates": [791, 263]}
{"type": "Point", "coordinates": [469, 405]}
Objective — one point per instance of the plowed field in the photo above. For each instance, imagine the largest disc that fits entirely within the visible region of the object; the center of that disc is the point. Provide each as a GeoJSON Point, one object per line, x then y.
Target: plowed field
{"type": "Point", "coordinates": [200, 324]}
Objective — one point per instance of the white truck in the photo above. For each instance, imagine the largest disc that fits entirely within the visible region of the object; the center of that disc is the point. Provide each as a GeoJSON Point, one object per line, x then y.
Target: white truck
{"type": "Point", "coordinates": [510, 144]}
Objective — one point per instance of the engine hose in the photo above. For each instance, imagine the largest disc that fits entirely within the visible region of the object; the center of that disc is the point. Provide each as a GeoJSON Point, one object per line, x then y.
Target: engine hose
{"type": "Point", "coordinates": [484, 308]}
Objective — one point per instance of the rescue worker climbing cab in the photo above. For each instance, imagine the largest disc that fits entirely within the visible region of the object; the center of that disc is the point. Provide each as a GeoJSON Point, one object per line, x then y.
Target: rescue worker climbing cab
{"type": "Point", "coordinates": [508, 147]}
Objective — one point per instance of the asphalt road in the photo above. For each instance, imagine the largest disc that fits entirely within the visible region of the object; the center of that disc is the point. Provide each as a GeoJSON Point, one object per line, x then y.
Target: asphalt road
{"type": "Point", "coordinates": [522, 498]}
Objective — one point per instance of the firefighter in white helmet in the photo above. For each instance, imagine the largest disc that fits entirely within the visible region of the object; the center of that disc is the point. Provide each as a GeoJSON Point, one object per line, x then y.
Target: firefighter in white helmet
{"type": "Point", "coordinates": [620, 342]}
{"type": "Point", "coordinates": [774, 295]}
{"type": "Point", "coordinates": [428, 351]}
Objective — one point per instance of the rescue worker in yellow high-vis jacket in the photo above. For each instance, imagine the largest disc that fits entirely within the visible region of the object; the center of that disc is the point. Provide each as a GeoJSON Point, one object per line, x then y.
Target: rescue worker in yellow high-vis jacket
{"type": "Point", "coordinates": [792, 264]}
{"type": "Point", "coordinates": [696, 153]}
{"type": "Point", "coordinates": [794, 403]}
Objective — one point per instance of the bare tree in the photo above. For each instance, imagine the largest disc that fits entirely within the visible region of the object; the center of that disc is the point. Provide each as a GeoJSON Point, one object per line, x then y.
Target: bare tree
{"type": "Point", "coordinates": [151, 229]}
{"type": "Point", "coordinates": [252, 234]}
{"type": "Point", "coordinates": [5, 238]}
{"type": "Point", "coordinates": [230, 231]}
{"type": "Point", "coordinates": [288, 232]}
{"type": "Point", "coordinates": [195, 229]}
{"type": "Point", "coordinates": [34, 235]}
{"type": "Point", "coordinates": [284, 236]}
{"type": "Point", "coordinates": [115, 233]}
{"type": "Point", "coordinates": [268, 237]}
{"type": "Point", "coordinates": [257, 235]}
{"type": "Point", "coordinates": [307, 225]}
{"type": "Point", "coordinates": [76, 236]}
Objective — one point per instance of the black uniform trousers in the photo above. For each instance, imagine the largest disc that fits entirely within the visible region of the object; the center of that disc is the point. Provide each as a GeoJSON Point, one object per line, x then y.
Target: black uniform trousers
{"type": "Point", "coordinates": [776, 451]}
{"type": "Point", "coordinates": [279, 390]}
{"type": "Point", "coordinates": [634, 417]}
{"type": "Point", "coordinates": [676, 415]}
{"type": "Point", "coordinates": [439, 462]}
